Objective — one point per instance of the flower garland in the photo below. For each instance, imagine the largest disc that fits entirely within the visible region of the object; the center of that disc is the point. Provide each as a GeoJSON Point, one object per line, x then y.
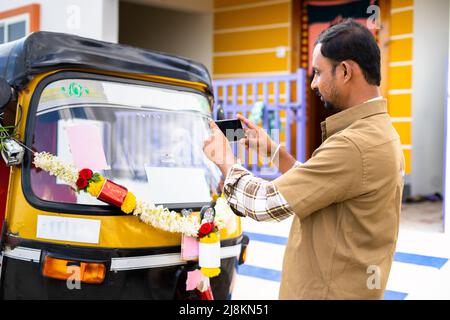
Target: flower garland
{"type": "Point", "coordinates": [156, 216]}
{"type": "Point", "coordinates": [159, 217]}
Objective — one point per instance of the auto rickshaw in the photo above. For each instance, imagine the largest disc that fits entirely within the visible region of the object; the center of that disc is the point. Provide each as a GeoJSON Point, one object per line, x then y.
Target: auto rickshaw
{"type": "Point", "coordinates": [138, 117]}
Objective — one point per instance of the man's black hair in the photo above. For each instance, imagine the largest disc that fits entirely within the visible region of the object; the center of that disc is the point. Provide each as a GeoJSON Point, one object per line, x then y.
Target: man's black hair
{"type": "Point", "coordinates": [350, 40]}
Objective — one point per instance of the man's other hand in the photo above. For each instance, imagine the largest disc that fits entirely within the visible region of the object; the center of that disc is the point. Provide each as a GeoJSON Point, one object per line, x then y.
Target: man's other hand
{"type": "Point", "coordinates": [217, 149]}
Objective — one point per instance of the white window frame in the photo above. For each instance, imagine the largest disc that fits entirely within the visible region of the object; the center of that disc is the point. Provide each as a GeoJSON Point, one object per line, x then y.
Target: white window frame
{"type": "Point", "coordinates": [11, 20]}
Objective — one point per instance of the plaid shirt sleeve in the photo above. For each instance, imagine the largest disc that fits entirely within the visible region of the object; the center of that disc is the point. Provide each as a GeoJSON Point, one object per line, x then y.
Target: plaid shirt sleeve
{"type": "Point", "coordinates": [253, 197]}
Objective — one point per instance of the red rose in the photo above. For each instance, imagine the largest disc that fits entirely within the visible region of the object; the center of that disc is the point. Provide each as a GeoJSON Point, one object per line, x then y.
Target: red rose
{"type": "Point", "coordinates": [82, 183]}
{"type": "Point", "coordinates": [205, 229]}
{"type": "Point", "coordinates": [86, 174]}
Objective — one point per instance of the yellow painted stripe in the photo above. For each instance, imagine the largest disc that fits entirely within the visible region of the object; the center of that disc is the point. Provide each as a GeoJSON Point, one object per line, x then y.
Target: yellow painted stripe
{"type": "Point", "coordinates": [399, 3]}
{"type": "Point", "coordinates": [264, 62]}
{"type": "Point", "coordinates": [249, 74]}
{"type": "Point", "coordinates": [229, 3]}
{"type": "Point", "coordinates": [404, 131]}
{"type": "Point", "coordinates": [401, 50]}
{"type": "Point", "coordinates": [400, 77]}
{"type": "Point", "coordinates": [277, 13]}
{"type": "Point", "coordinates": [402, 9]}
{"type": "Point", "coordinates": [251, 40]}
{"type": "Point", "coordinates": [247, 52]}
{"type": "Point", "coordinates": [402, 36]}
{"type": "Point", "coordinates": [400, 63]}
{"type": "Point", "coordinates": [400, 91]}
{"type": "Point", "coordinates": [402, 23]}
{"type": "Point", "coordinates": [407, 154]}
{"type": "Point", "coordinates": [253, 28]}
{"type": "Point", "coordinates": [250, 5]}
{"type": "Point", "coordinates": [400, 105]}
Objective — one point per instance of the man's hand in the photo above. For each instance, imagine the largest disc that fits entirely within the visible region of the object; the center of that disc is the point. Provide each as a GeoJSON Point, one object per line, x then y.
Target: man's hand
{"type": "Point", "coordinates": [257, 139]}
{"type": "Point", "coordinates": [217, 149]}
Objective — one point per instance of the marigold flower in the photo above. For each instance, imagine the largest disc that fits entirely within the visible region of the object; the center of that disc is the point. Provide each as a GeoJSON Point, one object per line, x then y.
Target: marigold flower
{"type": "Point", "coordinates": [210, 238]}
{"type": "Point", "coordinates": [129, 203]}
{"type": "Point", "coordinates": [210, 272]}
{"type": "Point", "coordinates": [94, 188]}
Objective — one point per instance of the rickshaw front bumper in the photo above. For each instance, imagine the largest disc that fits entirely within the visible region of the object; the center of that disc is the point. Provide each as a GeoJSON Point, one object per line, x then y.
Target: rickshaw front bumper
{"type": "Point", "coordinates": [136, 273]}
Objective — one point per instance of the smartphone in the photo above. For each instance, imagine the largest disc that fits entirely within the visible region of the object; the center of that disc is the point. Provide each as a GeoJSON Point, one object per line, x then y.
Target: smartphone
{"type": "Point", "coordinates": [232, 129]}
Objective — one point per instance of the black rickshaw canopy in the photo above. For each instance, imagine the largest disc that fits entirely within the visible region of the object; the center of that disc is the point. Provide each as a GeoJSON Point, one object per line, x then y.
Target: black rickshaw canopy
{"type": "Point", "coordinates": [45, 51]}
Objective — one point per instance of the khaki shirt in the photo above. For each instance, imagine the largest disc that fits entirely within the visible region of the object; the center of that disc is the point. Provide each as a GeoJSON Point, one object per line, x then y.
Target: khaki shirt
{"type": "Point", "coordinates": [347, 200]}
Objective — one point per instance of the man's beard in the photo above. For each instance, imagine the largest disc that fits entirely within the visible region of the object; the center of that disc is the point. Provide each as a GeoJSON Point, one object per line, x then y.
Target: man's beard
{"type": "Point", "coordinates": [327, 104]}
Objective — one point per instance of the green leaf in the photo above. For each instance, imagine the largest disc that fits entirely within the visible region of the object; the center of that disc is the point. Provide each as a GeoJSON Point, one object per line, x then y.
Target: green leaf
{"type": "Point", "coordinates": [95, 177]}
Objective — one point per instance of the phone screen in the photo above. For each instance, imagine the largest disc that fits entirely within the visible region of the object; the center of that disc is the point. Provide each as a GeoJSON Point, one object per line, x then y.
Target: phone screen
{"type": "Point", "coordinates": [232, 129]}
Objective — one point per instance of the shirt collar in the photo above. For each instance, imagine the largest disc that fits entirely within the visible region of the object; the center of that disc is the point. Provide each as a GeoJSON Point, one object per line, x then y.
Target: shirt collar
{"type": "Point", "coordinates": [343, 119]}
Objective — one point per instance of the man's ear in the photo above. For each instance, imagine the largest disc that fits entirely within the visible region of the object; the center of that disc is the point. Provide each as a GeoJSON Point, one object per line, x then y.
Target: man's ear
{"type": "Point", "coordinates": [347, 70]}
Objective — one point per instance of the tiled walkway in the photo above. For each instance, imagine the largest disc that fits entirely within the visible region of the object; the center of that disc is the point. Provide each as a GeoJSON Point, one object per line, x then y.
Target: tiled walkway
{"type": "Point", "coordinates": [421, 269]}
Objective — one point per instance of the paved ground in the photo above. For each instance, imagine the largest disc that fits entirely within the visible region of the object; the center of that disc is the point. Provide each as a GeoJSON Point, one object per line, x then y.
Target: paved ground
{"type": "Point", "coordinates": [425, 216]}
{"type": "Point", "coordinates": [420, 270]}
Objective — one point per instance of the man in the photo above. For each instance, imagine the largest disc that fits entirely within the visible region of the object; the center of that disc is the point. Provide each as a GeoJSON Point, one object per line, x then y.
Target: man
{"type": "Point", "coordinates": [346, 198]}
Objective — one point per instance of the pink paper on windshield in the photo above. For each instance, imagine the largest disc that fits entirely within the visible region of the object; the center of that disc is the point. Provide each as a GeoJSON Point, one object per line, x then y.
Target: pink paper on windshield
{"type": "Point", "coordinates": [86, 146]}
{"type": "Point", "coordinates": [193, 278]}
{"type": "Point", "coordinates": [189, 248]}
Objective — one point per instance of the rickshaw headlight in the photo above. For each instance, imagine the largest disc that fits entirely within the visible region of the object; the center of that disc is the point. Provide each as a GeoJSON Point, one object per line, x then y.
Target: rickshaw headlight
{"type": "Point", "coordinates": [88, 272]}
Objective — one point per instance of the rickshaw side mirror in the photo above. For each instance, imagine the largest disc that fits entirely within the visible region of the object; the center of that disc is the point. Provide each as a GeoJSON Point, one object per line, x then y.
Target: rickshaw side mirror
{"type": "Point", "coordinates": [6, 93]}
{"type": "Point", "coordinates": [11, 152]}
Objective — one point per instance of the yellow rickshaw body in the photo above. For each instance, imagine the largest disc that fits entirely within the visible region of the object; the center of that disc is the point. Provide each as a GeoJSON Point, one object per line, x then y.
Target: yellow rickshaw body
{"type": "Point", "coordinates": [139, 261]}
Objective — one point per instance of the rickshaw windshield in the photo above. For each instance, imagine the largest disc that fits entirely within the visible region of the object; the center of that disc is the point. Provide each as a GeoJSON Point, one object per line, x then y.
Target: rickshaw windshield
{"type": "Point", "coordinates": [148, 139]}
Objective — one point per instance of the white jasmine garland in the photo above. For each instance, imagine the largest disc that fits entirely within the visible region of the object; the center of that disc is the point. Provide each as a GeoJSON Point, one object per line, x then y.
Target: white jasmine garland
{"type": "Point", "coordinates": [56, 167]}
{"type": "Point", "coordinates": [164, 219]}
{"type": "Point", "coordinates": [223, 213]}
{"type": "Point", "coordinates": [156, 216]}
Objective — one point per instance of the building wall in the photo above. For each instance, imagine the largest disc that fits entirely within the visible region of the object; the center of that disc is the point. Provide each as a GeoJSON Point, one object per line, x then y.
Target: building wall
{"type": "Point", "coordinates": [400, 72]}
{"type": "Point", "coordinates": [251, 38]}
{"type": "Point", "coordinates": [430, 63]}
{"type": "Point", "coordinates": [418, 51]}
{"type": "Point", "coordinates": [182, 5]}
{"type": "Point", "coordinates": [93, 19]}
{"type": "Point", "coordinates": [187, 34]}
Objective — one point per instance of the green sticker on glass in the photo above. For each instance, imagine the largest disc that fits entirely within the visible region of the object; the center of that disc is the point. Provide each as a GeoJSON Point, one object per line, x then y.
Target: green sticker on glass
{"type": "Point", "coordinates": [75, 90]}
